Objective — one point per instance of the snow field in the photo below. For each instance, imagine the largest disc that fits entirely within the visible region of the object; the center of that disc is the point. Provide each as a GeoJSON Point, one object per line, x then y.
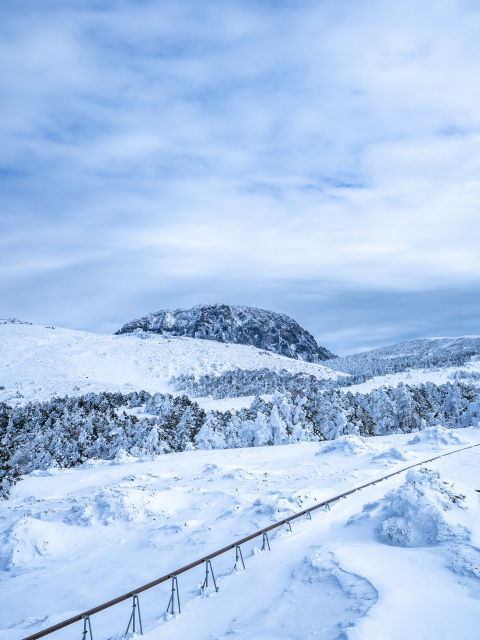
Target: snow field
{"type": "Point", "coordinates": [38, 363]}
{"type": "Point", "coordinates": [369, 568]}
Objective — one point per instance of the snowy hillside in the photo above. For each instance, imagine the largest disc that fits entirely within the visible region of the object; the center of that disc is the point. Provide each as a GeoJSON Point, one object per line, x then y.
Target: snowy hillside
{"type": "Point", "coordinates": [41, 362]}
{"type": "Point", "coordinates": [396, 560]}
{"type": "Point", "coordinates": [418, 354]}
{"type": "Point", "coordinates": [414, 362]}
{"type": "Point", "coordinates": [235, 324]}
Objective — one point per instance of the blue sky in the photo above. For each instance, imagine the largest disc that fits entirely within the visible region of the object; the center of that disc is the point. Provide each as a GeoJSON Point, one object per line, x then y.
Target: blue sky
{"type": "Point", "coordinates": [321, 159]}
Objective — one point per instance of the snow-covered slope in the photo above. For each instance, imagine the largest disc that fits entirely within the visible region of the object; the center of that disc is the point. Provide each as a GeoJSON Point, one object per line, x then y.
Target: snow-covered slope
{"type": "Point", "coordinates": [415, 362]}
{"type": "Point", "coordinates": [236, 324]}
{"type": "Point", "coordinates": [40, 362]}
{"type": "Point", "coordinates": [396, 560]}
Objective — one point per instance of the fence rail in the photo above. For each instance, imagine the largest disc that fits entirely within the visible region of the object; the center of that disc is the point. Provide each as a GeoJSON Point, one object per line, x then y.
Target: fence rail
{"type": "Point", "coordinates": [177, 572]}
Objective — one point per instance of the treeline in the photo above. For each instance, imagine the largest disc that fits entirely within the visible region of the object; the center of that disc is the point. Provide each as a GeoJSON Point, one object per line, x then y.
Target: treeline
{"type": "Point", "coordinates": [239, 382]}
{"type": "Point", "coordinates": [66, 432]}
{"type": "Point", "coordinates": [255, 382]}
{"type": "Point", "coordinates": [464, 374]}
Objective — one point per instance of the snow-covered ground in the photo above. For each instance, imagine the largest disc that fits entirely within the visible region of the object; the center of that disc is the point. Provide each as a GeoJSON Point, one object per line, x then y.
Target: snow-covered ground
{"type": "Point", "coordinates": [229, 404]}
{"type": "Point", "coordinates": [397, 560]}
{"type": "Point", "coordinates": [37, 363]}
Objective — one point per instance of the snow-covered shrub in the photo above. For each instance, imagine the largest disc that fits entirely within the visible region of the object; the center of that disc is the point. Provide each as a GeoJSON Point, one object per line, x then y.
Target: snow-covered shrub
{"type": "Point", "coordinates": [65, 432]}
{"type": "Point", "coordinates": [209, 436]}
{"type": "Point", "coordinates": [244, 382]}
{"type": "Point", "coordinates": [418, 512]}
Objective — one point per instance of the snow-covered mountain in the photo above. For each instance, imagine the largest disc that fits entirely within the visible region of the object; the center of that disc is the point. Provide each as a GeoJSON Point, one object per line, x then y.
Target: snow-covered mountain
{"type": "Point", "coordinates": [235, 324]}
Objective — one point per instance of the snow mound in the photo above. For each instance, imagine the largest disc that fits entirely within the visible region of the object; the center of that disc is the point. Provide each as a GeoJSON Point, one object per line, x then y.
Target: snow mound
{"type": "Point", "coordinates": [438, 435]}
{"type": "Point", "coordinates": [212, 468]}
{"type": "Point", "coordinates": [92, 463]}
{"type": "Point", "coordinates": [277, 504]}
{"type": "Point", "coordinates": [318, 579]}
{"type": "Point", "coordinates": [109, 506]}
{"type": "Point", "coordinates": [348, 445]}
{"type": "Point", "coordinates": [295, 611]}
{"type": "Point", "coordinates": [28, 539]}
{"type": "Point", "coordinates": [421, 511]}
{"type": "Point", "coordinates": [360, 591]}
{"type": "Point", "coordinates": [394, 453]}
{"type": "Point", "coordinates": [43, 473]}
{"type": "Point", "coordinates": [239, 475]}
{"type": "Point", "coordinates": [220, 473]}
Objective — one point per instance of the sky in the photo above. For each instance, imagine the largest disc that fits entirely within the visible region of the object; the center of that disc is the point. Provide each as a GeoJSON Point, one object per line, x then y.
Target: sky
{"type": "Point", "coordinates": [317, 158]}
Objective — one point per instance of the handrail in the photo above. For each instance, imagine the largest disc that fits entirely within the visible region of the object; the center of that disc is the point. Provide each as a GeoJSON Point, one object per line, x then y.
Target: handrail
{"type": "Point", "coordinates": [154, 583]}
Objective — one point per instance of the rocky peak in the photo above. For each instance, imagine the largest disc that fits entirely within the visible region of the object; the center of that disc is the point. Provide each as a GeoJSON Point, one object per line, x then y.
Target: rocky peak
{"type": "Point", "coordinates": [237, 324]}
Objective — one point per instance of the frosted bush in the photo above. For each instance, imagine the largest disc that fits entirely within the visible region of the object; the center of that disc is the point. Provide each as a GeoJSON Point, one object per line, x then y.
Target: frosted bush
{"type": "Point", "coordinates": [208, 438]}
{"type": "Point", "coordinates": [418, 513]}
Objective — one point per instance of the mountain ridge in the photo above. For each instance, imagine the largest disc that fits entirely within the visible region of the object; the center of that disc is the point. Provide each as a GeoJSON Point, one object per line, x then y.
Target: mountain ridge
{"type": "Point", "coordinates": [418, 352]}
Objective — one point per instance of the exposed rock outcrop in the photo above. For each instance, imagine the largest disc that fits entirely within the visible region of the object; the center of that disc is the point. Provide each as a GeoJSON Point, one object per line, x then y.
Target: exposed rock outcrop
{"type": "Point", "coordinates": [237, 324]}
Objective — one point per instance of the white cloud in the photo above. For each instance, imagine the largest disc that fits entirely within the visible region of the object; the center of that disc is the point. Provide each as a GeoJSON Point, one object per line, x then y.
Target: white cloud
{"type": "Point", "coordinates": [244, 142]}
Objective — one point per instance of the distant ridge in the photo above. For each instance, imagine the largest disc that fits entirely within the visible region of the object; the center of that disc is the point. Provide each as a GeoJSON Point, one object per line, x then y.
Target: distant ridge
{"type": "Point", "coordinates": [236, 324]}
{"type": "Point", "coordinates": [419, 353]}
